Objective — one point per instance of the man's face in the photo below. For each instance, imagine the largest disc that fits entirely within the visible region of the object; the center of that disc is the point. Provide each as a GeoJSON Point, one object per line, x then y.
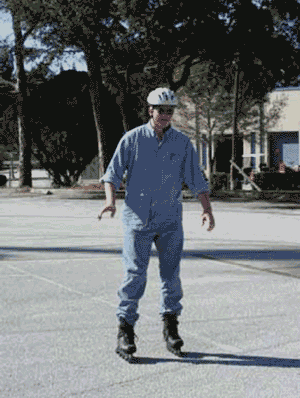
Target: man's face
{"type": "Point", "coordinates": [161, 114]}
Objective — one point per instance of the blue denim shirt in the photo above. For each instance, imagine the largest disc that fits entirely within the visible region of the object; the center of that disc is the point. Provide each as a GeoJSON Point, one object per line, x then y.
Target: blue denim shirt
{"type": "Point", "coordinates": [155, 173]}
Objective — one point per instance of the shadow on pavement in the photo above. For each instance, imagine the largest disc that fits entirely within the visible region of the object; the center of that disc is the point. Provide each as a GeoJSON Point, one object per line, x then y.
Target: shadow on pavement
{"type": "Point", "coordinates": [210, 254]}
{"type": "Point", "coordinates": [260, 255]}
{"type": "Point", "coordinates": [4, 256]}
{"type": "Point", "coordinates": [297, 207]}
{"type": "Point", "coordinates": [198, 358]}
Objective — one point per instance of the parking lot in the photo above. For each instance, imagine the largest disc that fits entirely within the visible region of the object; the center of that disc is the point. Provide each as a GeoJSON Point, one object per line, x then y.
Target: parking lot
{"type": "Point", "coordinates": [59, 272]}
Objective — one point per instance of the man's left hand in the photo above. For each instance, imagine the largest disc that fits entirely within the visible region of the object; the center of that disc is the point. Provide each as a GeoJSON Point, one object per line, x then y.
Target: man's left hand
{"type": "Point", "coordinates": [207, 217]}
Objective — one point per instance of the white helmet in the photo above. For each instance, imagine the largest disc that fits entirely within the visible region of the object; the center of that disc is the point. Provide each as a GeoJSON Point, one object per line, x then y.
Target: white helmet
{"type": "Point", "coordinates": [162, 96]}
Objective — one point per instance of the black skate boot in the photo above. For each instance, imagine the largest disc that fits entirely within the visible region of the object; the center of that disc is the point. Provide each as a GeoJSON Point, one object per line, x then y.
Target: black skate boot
{"type": "Point", "coordinates": [171, 336]}
{"type": "Point", "coordinates": [126, 346]}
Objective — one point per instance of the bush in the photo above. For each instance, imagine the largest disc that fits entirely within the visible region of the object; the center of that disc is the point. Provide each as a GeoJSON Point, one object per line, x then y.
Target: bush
{"type": "Point", "coordinates": [219, 182]}
{"type": "Point", "coordinates": [63, 127]}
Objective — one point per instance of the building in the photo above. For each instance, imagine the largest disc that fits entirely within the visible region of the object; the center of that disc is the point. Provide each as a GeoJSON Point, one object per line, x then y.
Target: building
{"type": "Point", "coordinates": [281, 141]}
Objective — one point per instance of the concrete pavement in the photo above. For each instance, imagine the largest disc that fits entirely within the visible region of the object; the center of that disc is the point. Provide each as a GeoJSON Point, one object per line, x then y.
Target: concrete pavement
{"type": "Point", "coordinates": [59, 272]}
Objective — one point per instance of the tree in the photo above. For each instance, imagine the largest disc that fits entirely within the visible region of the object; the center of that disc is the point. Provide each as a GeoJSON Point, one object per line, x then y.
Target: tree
{"type": "Point", "coordinates": [264, 51]}
{"type": "Point", "coordinates": [206, 111]}
{"type": "Point", "coordinates": [8, 104]}
{"type": "Point", "coordinates": [24, 25]}
{"type": "Point", "coordinates": [8, 134]}
{"type": "Point", "coordinates": [129, 44]}
{"type": "Point", "coordinates": [213, 106]}
{"type": "Point", "coordinates": [62, 125]}
{"type": "Point", "coordinates": [116, 54]}
{"type": "Point", "coordinates": [61, 121]}
{"type": "Point", "coordinates": [81, 24]}
{"type": "Point", "coordinates": [164, 41]}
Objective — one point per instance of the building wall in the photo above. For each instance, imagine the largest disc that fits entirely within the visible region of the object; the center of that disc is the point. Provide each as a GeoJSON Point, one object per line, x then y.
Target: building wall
{"type": "Point", "coordinates": [281, 141]}
{"type": "Point", "coordinates": [290, 118]}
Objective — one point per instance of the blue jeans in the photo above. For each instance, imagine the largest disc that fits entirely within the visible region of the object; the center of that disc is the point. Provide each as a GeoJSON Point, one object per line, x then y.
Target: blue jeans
{"type": "Point", "coordinates": [136, 253]}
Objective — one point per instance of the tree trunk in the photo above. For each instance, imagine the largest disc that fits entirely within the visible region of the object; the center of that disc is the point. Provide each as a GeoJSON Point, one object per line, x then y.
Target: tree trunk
{"type": "Point", "coordinates": [197, 131]}
{"type": "Point", "coordinates": [129, 110]}
{"type": "Point", "coordinates": [25, 178]}
{"type": "Point", "coordinates": [209, 146]}
{"type": "Point", "coordinates": [93, 66]}
{"type": "Point", "coordinates": [120, 100]}
{"type": "Point", "coordinates": [261, 129]}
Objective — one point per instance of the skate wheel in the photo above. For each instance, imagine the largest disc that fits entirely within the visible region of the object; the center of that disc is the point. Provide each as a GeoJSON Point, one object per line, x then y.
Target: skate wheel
{"type": "Point", "coordinates": [175, 350]}
{"type": "Point", "coordinates": [128, 357]}
{"type": "Point", "coordinates": [178, 353]}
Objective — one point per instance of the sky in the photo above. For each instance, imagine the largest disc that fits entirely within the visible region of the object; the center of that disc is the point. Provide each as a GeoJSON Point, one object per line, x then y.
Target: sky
{"type": "Point", "coordinates": [69, 61]}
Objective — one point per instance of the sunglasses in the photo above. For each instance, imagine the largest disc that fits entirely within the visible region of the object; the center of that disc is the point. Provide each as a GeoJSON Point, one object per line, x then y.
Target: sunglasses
{"type": "Point", "coordinates": [164, 109]}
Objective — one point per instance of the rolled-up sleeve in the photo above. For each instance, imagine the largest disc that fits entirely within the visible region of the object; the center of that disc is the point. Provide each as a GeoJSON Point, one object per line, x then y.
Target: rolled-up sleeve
{"type": "Point", "coordinates": [193, 175]}
{"type": "Point", "coordinates": [118, 164]}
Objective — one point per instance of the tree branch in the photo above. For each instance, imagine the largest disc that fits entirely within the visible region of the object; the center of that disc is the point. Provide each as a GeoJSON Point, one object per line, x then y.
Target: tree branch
{"type": "Point", "coordinates": [184, 77]}
{"type": "Point", "coordinates": [26, 34]}
{"type": "Point", "coordinates": [6, 82]}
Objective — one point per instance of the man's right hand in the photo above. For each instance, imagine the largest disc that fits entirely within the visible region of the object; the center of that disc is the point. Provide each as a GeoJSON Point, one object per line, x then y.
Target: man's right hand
{"type": "Point", "coordinates": [107, 208]}
{"type": "Point", "coordinates": [207, 217]}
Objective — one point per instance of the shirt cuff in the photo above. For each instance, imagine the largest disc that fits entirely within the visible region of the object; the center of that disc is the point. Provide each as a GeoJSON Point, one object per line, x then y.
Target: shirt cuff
{"type": "Point", "coordinates": [112, 179]}
{"type": "Point", "coordinates": [198, 191]}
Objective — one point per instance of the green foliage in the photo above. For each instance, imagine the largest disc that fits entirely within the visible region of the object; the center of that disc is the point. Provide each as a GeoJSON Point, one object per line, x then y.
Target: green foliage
{"type": "Point", "coordinates": [204, 95]}
{"type": "Point", "coordinates": [206, 90]}
{"type": "Point", "coordinates": [61, 123]}
{"type": "Point", "coordinates": [8, 130]}
{"type": "Point", "coordinates": [206, 109]}
{"type": "Point", "coordinates": [63, 129]}
{"type": "Point", "coordinates": [160, 42]}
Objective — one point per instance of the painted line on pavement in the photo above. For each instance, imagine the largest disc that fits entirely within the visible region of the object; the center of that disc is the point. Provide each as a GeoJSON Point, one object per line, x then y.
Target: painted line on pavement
{"type": "Point", "coordinates": [31, 260]}
{"type": "Point", "coordinates": [253, 268]}
{"type": "Point", "coordinates": [226, 347]}
{"type": "Point", "coordinates": [14, 275]}
{"type": "Point", "coordinates": [42, 278]}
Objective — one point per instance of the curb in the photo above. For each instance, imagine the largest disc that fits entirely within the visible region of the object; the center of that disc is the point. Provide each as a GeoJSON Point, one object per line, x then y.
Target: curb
{"type": "Point", "coordinates": [273, 196]}
{"type": "Point", "coordinates": [233, 196]}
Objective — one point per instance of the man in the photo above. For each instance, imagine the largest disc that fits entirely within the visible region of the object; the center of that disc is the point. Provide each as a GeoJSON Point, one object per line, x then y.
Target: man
{"type": "Point", "coordinates": [158, 159]}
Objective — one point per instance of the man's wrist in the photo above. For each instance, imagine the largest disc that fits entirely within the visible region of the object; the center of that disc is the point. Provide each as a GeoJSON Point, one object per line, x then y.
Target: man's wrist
{"type": "Point", "coordinates": [110, 204]}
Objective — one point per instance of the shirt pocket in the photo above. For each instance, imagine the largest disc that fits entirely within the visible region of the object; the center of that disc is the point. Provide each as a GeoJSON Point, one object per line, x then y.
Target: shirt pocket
{"type": "Point", "coordinates": [172, 167]}
{"type": "Point", "coordinates": [175, 158]}
{"type": "Point", "coordinates": [175, 164]}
